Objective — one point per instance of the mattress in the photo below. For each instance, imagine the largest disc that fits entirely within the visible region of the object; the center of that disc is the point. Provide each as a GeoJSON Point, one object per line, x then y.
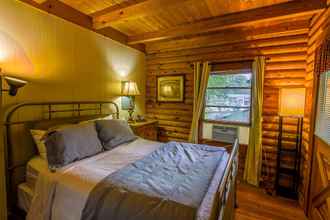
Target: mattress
{"type": "Point", "coordinates": [61, 195]}
{"type": "Point", "coordinates": [36, 165]}
{"type": "Point", "coordinates": [25, 195]}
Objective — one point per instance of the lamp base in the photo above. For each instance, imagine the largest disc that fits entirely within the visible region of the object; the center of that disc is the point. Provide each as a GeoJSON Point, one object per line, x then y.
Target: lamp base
{"type": "Point", "coordinates": [130, 115]}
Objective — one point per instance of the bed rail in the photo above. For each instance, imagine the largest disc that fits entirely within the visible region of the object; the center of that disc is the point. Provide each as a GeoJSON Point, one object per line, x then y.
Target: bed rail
{"type": "Point", "coordinates": [227, 187]}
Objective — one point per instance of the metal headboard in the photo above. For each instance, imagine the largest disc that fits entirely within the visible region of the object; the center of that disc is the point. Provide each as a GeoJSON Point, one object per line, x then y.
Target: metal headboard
{"type": "Point", "coordinates": [51, 112]}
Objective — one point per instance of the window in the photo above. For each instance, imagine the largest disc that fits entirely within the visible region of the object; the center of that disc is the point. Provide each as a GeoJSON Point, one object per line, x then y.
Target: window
{"type": "Point", "coordinates": [228, 98]}
{"type": "Point", "coordinates": [323, 109]}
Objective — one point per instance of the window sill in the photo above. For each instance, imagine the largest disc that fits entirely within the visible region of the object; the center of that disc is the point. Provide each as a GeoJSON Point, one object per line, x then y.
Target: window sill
{"type": "Point", "coordinates": [242, 124]}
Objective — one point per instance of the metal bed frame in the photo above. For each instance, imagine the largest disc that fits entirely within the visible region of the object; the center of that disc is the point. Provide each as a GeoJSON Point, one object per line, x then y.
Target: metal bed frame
{"type": "Point", "coordinates": [224, 200]}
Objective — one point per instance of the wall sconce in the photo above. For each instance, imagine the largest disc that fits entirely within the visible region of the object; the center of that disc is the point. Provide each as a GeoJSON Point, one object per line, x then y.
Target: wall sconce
{"type": "Point", "coordinates": [14, 84]}
{"type": "Point", "coordinates": [130, 90]}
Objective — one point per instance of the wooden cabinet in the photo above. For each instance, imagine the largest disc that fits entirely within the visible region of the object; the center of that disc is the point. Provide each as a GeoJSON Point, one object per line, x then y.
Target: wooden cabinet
{"type": "Point", "coordinates": [147, 129]}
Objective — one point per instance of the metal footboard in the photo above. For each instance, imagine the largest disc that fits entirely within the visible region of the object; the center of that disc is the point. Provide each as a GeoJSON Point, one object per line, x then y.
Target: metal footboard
{"type": "Point", "coordinates": [227, 187]}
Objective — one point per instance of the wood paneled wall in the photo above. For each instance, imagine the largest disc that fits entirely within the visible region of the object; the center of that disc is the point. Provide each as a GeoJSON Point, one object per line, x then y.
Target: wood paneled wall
{"type": "Point", "coordinates": [319, 27]}
{"type": "Point", "coordinates": [285, 43]}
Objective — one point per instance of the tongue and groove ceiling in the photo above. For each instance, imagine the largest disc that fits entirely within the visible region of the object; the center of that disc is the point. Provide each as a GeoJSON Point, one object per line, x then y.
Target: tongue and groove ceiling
{"type": "Point", "coordinates": [133, 17]}
{"type": "Point", "coordinates": [138, 22]}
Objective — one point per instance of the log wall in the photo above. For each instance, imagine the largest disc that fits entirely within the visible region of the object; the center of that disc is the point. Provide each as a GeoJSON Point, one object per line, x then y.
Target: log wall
{"type": "Point", "coordinates": [284, 43]}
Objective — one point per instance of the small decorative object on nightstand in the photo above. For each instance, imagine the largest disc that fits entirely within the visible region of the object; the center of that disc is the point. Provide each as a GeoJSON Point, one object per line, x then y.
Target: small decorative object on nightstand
{"type": "Point", "coordinates": [147, 129]}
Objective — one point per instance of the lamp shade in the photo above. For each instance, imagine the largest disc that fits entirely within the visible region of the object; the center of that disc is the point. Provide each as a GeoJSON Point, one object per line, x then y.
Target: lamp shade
{"type": "Point", "coordinates": [130, 88]}
{"type": "Point", "coordinates": [14, 84]}
{"type": "Point", "coordinates": [292, 101]}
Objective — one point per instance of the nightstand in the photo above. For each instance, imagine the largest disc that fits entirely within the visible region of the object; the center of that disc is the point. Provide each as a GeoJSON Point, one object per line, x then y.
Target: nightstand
{"type": "Point", "coordinates": [146, 129]}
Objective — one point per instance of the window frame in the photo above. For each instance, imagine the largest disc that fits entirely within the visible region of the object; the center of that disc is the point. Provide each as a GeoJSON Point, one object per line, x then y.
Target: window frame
{"type": "Point", "coordinates": [225, 122]}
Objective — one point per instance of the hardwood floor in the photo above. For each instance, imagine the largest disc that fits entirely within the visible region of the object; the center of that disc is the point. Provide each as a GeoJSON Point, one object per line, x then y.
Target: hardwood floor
{"type": "Point", "coordinates": [254, 204]}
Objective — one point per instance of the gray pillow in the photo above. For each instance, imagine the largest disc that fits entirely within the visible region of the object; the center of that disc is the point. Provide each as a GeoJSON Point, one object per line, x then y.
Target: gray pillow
{"type": "Point", "coordinates": [114, 132]}
{"type": "Point", "coordinates": [72, 143]}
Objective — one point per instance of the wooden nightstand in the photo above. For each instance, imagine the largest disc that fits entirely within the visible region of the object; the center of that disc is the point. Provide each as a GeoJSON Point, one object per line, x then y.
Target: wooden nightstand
{"type": "Point", "coordinates": [146, 129]}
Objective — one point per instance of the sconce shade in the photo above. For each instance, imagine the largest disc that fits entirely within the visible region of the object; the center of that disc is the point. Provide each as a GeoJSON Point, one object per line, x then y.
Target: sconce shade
{"type": "Point", "coordinates": [130, 89]}
{"type": "Point", "coordinates": [292, 101]}
{"type": "Point", "coordinates": [14, 84]}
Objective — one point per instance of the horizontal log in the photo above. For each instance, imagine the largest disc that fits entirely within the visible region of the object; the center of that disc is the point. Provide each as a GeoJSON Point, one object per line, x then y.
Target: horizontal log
{"type": "Point", "coordinates": [228, 55]}
{"type": "Point", "coordinates": [185, 72]}
{"type": "Point", "coordinates": [166, 139]}
{"type": "Point", "coordinates": [164, 105]}
{"type": "Point", "coordinates": [170, 112]}
{"type": "Point", "coordinates": [275, 120]}
{"type": "Point", "coordinates": [180, 124]}
{"type": "Point", "coordinates": [291, 33]}
{"type": "Point", "coordinates": [271, 46]}
{"type": "Point", "coordinates": [170, 118]}
{"type": "Point", "coordinates": [280, 74]}
{"type": "Point", "coordinates": [174, 134]}
{"type": "Point", "coordinates": [292, 82]}
{"type": "Point", "coordinates": [173, 66]}
{"type": "Point", "coordinates": [174, 129]}
{"type": "Point", "coordinates": [269, 111]}
{"type": "Point", "coordinates": [286, 65]}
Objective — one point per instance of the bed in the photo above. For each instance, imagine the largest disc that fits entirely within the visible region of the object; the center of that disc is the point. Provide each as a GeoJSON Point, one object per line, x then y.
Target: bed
{"type": "Point", "coordinates": [69, 193]}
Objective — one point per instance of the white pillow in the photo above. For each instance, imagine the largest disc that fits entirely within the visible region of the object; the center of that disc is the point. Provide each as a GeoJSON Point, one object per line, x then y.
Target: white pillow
{"type": "Point", "coordinates": [38, 136]}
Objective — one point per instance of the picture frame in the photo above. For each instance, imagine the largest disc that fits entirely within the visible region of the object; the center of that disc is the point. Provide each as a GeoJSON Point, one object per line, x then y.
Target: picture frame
{"type": "Point", "coordinates": [170, 88]}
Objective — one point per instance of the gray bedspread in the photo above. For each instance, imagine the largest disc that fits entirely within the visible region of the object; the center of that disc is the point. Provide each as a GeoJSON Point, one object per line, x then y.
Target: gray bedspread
{"type": "Point", "coordinates": [168, 184]}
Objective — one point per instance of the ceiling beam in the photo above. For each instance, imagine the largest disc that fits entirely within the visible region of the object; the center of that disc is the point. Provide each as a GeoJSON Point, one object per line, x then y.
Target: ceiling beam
{"type": "Point", "coordinates": [132, 10]}
{"type": "Point", "coordinates": [59, 9]}
{"type": "Point", "coordinates": [280, 11]}
{"type": "Point", "coordinates": [39, 1]}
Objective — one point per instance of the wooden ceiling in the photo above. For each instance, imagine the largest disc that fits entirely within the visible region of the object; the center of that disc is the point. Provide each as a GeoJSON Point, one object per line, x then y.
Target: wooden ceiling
{"type": "Point", "coordinates": [149, 16]}
{"type": "Point", "coordinates": [141, 21]}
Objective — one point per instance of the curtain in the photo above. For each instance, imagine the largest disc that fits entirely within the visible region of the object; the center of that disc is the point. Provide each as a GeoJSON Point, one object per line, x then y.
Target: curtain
{"type": "Point", "coordinates": [253, 159]}
{"type": "Point", "coordinates": [322, 58]}
{"type": "Point", "coordinates": [201, 76]}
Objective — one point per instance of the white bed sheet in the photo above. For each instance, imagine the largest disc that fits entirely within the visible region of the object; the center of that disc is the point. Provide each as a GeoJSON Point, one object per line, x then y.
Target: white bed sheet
{"type": "Point", "coordinates": [62, 195]}
{"type": "Point", "coordinates": [36, 165]}
{"type": "Point", "coordinates": [25, 195]}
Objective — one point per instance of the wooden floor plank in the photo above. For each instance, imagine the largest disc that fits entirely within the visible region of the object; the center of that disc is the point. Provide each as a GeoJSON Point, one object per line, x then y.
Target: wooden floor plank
{"type": "Point", "coordinates": [254, 204]}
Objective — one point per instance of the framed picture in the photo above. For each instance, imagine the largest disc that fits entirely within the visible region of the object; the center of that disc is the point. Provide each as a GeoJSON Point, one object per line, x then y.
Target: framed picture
{"type": "Point", "coordinates": [170, 88]}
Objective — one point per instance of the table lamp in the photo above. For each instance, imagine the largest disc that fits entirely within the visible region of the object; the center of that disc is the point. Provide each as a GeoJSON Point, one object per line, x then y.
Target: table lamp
{"type": "Point", "coordinates": [130, 89]}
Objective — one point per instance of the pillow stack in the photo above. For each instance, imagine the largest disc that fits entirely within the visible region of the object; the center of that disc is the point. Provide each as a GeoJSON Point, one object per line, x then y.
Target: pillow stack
{"type": "Point", "coordinates": [64, 145]}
